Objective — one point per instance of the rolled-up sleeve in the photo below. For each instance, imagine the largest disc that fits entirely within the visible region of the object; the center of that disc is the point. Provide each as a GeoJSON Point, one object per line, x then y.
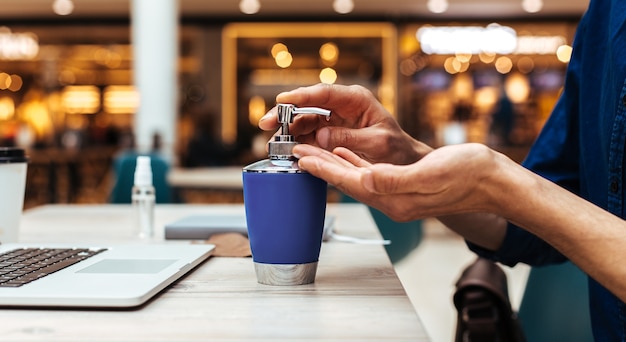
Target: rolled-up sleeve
{"type": "Point", "coordinates": [520, 246]}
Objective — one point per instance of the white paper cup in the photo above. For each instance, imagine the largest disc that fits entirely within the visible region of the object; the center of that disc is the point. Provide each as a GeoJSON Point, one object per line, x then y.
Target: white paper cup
{"type": "Point", "coordinates": [13, 164]}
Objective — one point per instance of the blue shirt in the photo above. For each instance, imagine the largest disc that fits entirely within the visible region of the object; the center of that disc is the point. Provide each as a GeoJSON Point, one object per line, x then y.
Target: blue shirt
{"type": "Point", "coordinates": [581, 148]}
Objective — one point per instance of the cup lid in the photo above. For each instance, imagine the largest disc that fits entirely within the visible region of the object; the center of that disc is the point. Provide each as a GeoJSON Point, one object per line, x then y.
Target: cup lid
{"type": "Point", "coordinates": [12, 155]}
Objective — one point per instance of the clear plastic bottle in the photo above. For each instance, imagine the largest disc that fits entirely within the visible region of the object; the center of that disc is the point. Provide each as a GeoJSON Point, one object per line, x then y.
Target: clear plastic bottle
{"type": "Point", "coordinates": [143, 197]}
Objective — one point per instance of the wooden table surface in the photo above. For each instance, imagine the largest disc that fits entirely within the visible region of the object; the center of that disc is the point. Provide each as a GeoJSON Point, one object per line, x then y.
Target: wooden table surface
{"type": "Point", "coordinates": [356, 296]}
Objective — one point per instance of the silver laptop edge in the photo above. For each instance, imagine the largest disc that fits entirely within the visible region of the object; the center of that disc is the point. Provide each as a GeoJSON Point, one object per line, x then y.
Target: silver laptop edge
{"type": "Point", "coordinates": [122, 276]}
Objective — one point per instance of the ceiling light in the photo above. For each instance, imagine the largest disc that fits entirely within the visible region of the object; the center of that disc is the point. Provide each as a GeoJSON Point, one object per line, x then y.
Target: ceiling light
{"type": "Point", "coordinates": [120, 99]}
{"type": "Point", "coordinates": [278, 47]}
{"type": "Point", "coordinates": [81, 99]}
{"type": "Point", "coordinates": [329, 52]}
{"type": "Point", "coordinates": [343, 6]}
{"type": "Point", "coordinates": [517, 87]}
{"type": "Point", "coordinates": [540, 45]}
{"type": "Point", "coordinates": [283, 59]}
{"type": "Point", "coordinates": [446, 40]}
{"type": "Point", "coordinates": [437, 6]}
{"type": "Point", "coordinates": [564, 53]}
{"type": "Point", "coordinates": [249, 6]}
{"type": "Point", "coordinates": [328, 76]}
{"type": "Point", "coordinates": [532, 6]}
{"type": "Point", "coordinates": [486, 56]}
{"type": "Point", "coordinates": [63, 7]}
{"type": "Point", "coordinates": [5, 80]}
{"type": "Point", "coordinates": [10, 82]}
{"type": "Point", "coordinates": [17, 46]}
{"type": "Point", "coordinates": [7, 108]}
{"type": "Point", "coordinates": [503, 64]}
{"type": "Point", "coordinates": [16, 83]}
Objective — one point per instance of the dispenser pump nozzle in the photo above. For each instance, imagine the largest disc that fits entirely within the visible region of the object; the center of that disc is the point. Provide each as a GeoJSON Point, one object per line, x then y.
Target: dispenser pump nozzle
{"type": "Point", "coordinates": [281, 147]}
{"type": "Point", "coordinates": [286, 113]}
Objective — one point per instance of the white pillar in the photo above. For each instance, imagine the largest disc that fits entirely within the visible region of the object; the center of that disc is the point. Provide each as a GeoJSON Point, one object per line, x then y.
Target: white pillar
{"type": "Point", "coordinates": [154, 37]}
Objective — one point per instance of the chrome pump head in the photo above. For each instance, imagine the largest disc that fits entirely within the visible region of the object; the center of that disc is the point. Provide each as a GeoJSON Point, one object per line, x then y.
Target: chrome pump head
{"type": "Point", "coordinates": [282, 146]}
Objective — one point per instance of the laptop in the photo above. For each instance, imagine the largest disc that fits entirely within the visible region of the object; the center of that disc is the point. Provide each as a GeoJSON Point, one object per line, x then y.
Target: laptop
{"type": "Point", "coordinates": [120, 276]}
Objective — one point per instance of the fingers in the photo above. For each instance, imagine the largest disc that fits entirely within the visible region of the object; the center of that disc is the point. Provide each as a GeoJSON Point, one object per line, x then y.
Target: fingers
{"type": "Point", "coordinates": [305, 96]}
{"type": "Point", "coordinates": [342, 166]}
{"type": "Point", "coordinates": [302, 151]}
{"type": "Point", "coordinates": [323, 95]}
{"type": "Point", "coordinates": [348, 176]}
{"type": "Point", "coordinates": [351, 157]}
{"type": "Point", "coordinates": [361, 140]}
{"type": "Point", "coordinates": [312, 130]}
{"type": "Point", "coordinates": [331, 167]}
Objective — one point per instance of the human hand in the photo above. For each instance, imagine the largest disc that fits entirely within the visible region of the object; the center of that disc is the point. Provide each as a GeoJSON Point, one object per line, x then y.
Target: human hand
{"type": "Point", "coordinates": [358, 122]}
{"type": "Point", "coordinates": [448, 180]}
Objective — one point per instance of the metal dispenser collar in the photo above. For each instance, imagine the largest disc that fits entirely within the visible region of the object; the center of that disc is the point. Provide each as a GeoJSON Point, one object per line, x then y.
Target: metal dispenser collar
{"type": "Point", "coordinates": [282, 146]}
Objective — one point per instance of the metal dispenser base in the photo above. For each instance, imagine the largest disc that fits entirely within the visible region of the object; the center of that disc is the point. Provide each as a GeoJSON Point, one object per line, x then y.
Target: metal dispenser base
{"type": "Point", "coordinates": [281, 274]}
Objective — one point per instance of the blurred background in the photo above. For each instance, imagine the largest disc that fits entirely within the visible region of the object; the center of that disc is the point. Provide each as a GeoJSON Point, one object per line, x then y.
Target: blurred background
{"type": "Point", "coordinates": [83, 81]}
{"type": "Point", "coordinates": [86, 85]}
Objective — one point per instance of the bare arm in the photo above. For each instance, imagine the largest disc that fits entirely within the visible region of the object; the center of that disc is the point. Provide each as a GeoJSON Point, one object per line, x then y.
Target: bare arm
{"type": "Point", "coordinates": [484, 229]}
{"type": "Point", "coordinates": [455, 182]}
{"type": "Point", "coordinates": [588, 235]}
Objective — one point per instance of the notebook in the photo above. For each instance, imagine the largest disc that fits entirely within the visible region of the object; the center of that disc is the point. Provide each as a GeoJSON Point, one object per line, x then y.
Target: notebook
{"type": "Point", "coordinates": [119, 276]}
{"type": "Point", "coordinates": [201, 227]}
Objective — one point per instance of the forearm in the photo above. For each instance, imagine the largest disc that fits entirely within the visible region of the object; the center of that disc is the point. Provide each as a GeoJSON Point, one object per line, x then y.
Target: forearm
{"type": "Point", "coordinates": [589, 236]}
{"type": "Point", "coordinates": [483, 229]}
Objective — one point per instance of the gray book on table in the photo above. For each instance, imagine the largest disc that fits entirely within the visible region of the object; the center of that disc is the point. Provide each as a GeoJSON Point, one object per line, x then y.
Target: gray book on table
{"type": "Point", "coordinates": [201, 227]}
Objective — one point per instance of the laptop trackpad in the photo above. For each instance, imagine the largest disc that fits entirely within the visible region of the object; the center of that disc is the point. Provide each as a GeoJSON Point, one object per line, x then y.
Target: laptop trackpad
{"type": "Point", "coordinates": [128, 266]}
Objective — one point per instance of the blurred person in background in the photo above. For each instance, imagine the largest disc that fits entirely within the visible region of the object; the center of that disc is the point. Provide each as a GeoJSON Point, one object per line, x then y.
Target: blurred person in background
{"type": "Point", "coordinates": [566, 201]}
{"type": "Point", "coordinates": [205, 149]}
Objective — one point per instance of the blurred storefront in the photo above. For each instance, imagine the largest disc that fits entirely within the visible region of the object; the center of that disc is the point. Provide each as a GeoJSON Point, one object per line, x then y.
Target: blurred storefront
{"type": "Point", "coordinates": [67, 90]}
{"type": "Point", "coordinates": [492, 83]}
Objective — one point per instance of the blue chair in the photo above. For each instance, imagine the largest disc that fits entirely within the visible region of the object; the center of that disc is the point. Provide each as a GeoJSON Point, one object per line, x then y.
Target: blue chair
{"type": "Point", "coordinates": [404, 236]}
{"type": "Point", "coordinates": [555, 305]}
{"type": "Point", "coordinates": [124, 170]}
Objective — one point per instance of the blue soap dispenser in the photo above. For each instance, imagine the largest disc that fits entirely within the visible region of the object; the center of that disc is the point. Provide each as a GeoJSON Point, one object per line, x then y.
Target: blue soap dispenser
{"type": "Point", "coordinates": [285, 209]}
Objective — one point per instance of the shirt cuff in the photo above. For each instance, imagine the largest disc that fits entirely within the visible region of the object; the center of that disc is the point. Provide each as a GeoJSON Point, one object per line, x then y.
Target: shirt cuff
{"type": "Point", "coordinates": [520, 246]}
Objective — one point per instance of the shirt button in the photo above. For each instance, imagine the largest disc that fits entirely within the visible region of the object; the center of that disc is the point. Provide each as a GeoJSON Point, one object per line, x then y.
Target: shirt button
{"type": "Point", "coordinates": [614, 186]}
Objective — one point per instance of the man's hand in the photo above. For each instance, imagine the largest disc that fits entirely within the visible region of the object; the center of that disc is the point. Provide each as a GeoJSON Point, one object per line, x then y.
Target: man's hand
{"type": "Point", "coordinates": [449, 180]}
{"type": "Point", "coordinates": [357, 122]}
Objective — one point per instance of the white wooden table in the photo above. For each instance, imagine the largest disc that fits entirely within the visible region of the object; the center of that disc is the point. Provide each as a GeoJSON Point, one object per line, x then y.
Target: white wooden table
{"type": "Point", "coordinates": [356, 295]}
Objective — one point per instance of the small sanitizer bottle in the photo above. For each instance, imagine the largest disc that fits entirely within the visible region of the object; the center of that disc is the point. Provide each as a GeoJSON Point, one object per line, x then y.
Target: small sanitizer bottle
{"type": "Point", "coordinates": [143, 197]}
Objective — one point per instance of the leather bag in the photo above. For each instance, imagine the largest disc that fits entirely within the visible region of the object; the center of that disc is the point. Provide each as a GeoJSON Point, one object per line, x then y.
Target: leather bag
{"type": "Point", "coordinates": [483, 306]}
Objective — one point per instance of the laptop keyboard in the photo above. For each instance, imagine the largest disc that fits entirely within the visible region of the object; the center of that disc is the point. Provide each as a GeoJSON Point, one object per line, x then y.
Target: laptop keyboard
{"type": "Point", "coordinates": [24, 265]}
